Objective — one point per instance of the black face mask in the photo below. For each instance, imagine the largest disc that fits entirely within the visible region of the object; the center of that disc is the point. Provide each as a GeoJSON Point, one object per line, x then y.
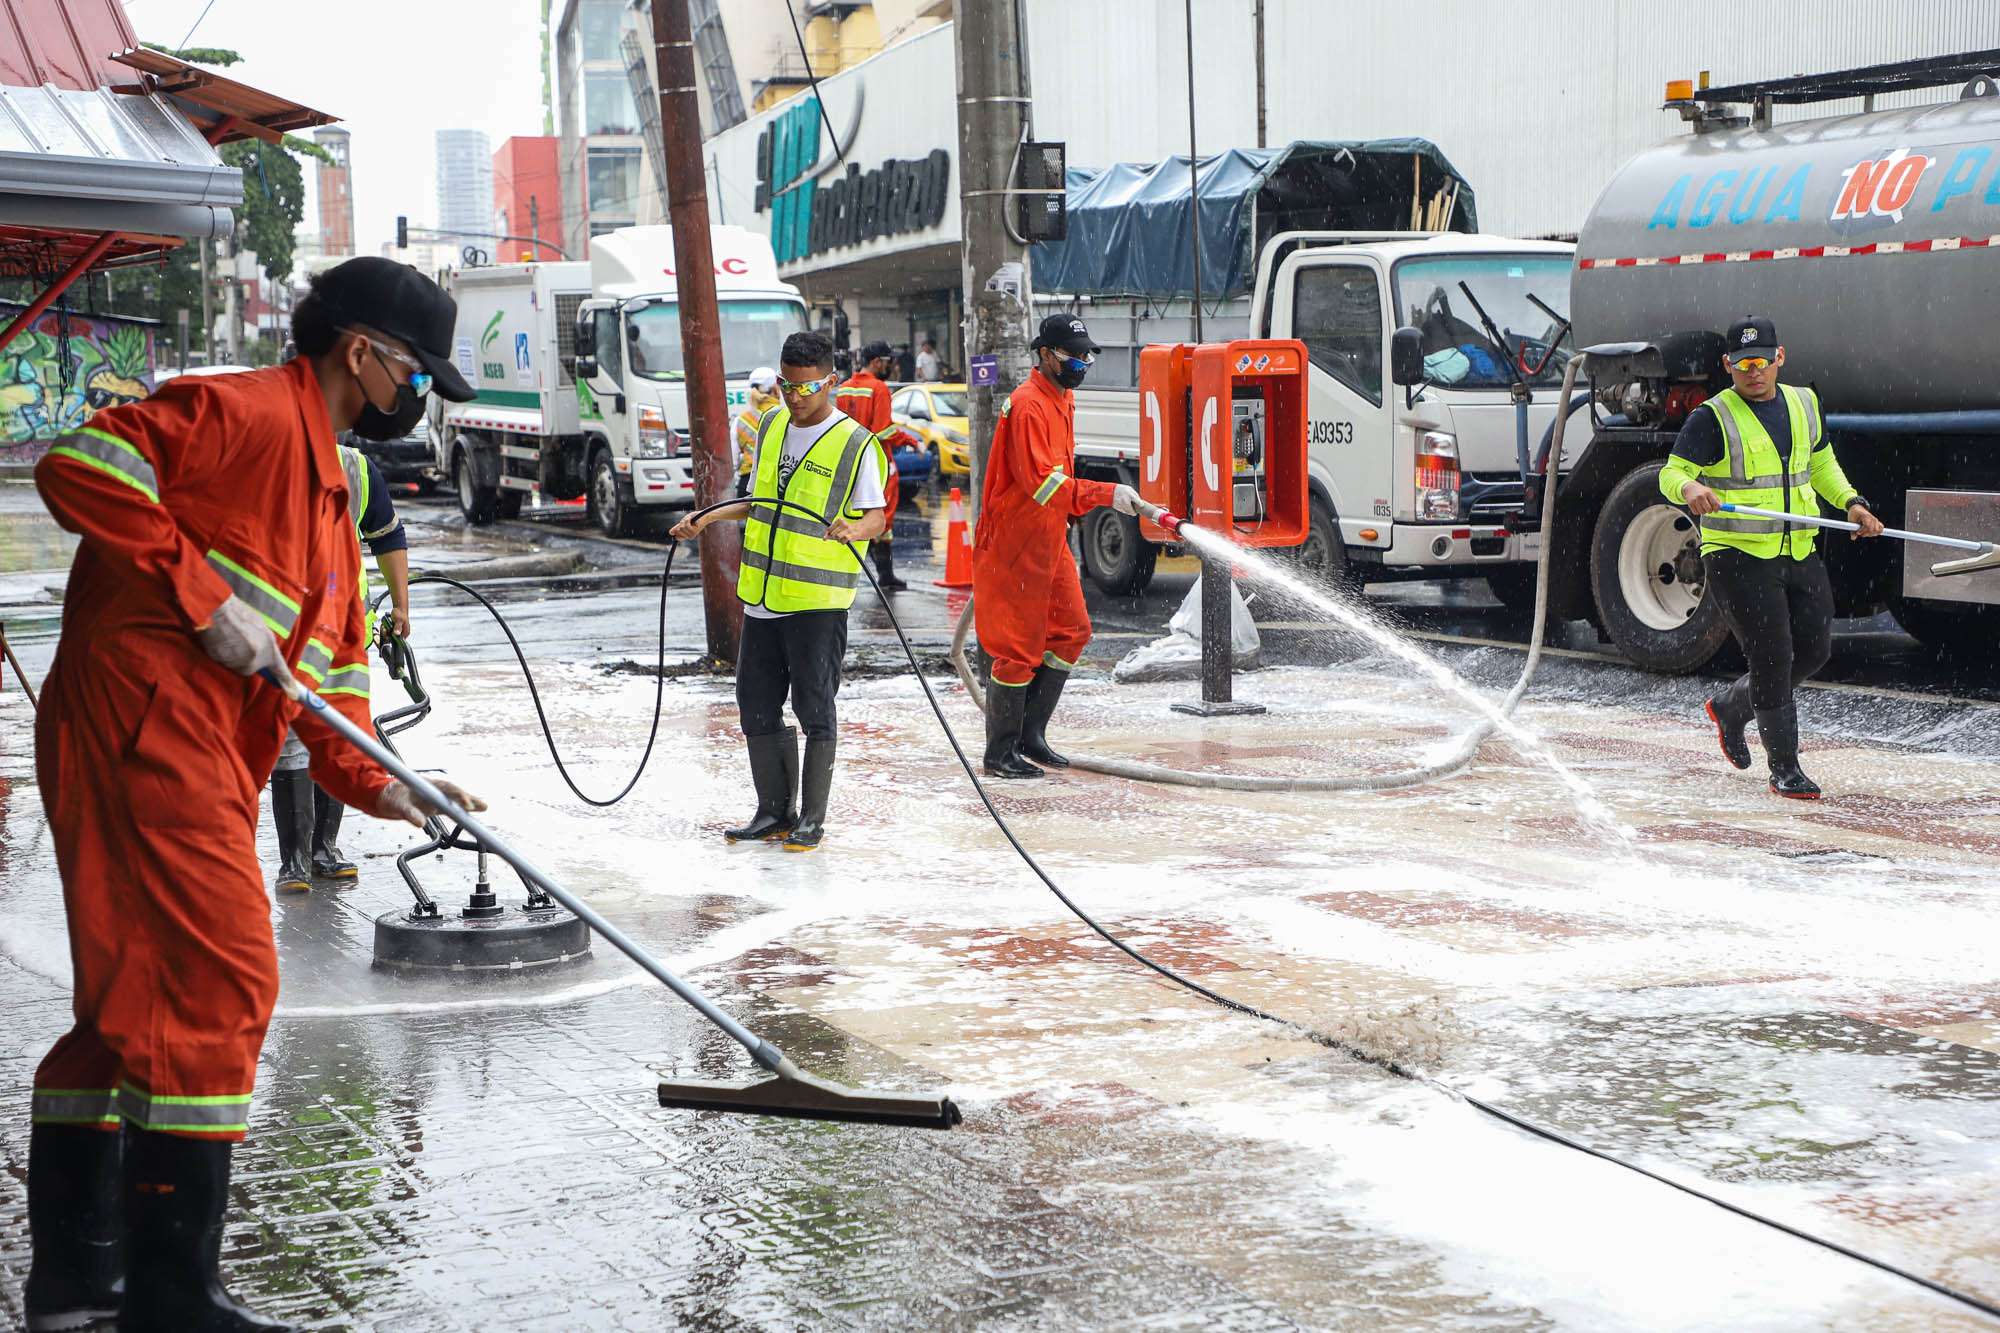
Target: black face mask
{"type": "Point", "coordinates": [375, 424]}
{"type": "Point", "coordinates": [1068, 378]}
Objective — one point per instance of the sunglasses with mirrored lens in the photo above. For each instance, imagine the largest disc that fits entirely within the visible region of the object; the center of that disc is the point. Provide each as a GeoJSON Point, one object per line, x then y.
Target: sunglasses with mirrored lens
{"type": "Point", "coordinates": [794, 389]}
{"type": "Point", "coordinates": [420, 379]}
{"type": "Point", "coordinates": [1750, 363]}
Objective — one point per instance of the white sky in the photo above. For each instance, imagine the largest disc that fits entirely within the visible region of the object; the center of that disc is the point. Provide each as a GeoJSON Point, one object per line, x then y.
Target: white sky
{"type": "Point", "coordinates": [393, 71]}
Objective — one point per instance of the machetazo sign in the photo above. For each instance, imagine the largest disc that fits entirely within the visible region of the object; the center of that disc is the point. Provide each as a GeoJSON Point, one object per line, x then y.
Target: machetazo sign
{"type": "Point", "coordinates": [897, 197]}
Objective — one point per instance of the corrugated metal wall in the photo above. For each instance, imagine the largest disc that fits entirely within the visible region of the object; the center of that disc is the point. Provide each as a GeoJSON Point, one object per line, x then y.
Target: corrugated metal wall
{"type": "Point", "coordinates": [1536, 104]}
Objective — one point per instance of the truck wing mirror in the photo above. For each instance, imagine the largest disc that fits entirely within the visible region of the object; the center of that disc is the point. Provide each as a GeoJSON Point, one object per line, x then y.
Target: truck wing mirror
{"type": "Point", "coordinates": [1406, 356]}
{"type": "Point", "coordinates": [586, 366]}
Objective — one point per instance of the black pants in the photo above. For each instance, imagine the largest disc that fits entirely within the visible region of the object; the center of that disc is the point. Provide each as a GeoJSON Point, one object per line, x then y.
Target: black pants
{"type": "Point", "coordinates": [800, 654]}
{"type": "Point", "coordinates": [1781, 612]}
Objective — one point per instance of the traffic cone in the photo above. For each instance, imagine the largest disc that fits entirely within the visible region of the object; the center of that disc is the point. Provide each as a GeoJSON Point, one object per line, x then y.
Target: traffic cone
{"type": "Point", "coordinates": [957, 546]}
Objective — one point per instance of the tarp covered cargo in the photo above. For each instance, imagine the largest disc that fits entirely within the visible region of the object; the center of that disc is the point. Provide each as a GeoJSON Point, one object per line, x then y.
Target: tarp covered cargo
{"type": "Point", "coordinates": [1128, 224]}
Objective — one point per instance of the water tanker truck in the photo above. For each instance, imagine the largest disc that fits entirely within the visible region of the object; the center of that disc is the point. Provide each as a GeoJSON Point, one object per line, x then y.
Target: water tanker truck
{"type": "Point", "coordinates": [1873, 241]}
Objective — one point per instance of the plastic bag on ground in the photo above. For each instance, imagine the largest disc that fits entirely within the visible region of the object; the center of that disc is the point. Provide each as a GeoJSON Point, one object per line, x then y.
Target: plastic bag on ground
{"type": "Point", "coordinates": [1178, 655]}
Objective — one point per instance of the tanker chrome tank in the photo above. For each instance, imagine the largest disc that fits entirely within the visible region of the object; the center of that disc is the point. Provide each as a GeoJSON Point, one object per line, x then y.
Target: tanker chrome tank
{"type": "Point", "coordinates": [1872, 240]}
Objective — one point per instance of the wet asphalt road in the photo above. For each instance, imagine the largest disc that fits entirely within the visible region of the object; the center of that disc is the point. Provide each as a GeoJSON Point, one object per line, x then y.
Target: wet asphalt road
{"type": "Point", "coordinates": [1795, 1007]}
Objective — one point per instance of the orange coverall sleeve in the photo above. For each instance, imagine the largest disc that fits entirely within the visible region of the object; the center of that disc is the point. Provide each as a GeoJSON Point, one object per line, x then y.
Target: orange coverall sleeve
{"type": "Point", "coordinates": [105, 483]}
{"type": "Point", "coordinates": [1048, 457]}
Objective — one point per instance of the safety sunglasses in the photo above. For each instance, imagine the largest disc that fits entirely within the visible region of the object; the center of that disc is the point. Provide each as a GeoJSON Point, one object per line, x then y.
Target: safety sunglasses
{"type": "Point", "coordinates": [420, 379]}
{"type": "Point", "coordinates": [1084, 362]}
{"type": "Point", "coordinates": [1750, 363]}
{"type": "Point", "coordinates": [794, 389]}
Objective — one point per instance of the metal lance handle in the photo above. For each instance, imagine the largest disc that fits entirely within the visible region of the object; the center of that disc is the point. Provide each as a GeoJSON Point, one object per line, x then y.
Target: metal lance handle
{"type": "Point", "coordinates": [1984, 554]}
{"type": "Point", "coordinates": [1159, 517]}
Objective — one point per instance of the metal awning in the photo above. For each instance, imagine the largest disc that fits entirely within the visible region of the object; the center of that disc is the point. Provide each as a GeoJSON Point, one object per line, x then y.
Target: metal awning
{"type": "Point", "coordinates": [223, 109]}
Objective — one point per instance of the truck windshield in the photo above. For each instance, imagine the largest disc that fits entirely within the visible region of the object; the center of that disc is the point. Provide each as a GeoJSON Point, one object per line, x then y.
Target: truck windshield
{"type": "Point", "coordinates": [753, 332]}
{"type": "Point", "coordinates": [1457, 351]}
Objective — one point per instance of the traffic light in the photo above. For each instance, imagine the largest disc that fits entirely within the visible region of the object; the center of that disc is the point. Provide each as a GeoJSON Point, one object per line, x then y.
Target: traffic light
{"type": "Point", "coordinates": [402, 232]}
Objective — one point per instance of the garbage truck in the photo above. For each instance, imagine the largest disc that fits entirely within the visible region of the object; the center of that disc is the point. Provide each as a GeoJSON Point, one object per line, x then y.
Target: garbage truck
{"type": "Point", "coordinates": [1872, 240]}
{"type": "Point", "coordinates": [579, 375]}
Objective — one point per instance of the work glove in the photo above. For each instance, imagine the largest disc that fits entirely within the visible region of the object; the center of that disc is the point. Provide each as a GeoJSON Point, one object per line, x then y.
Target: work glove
{"type": "Point", "coordinates": [237, 638]}
{"type": "Point", "coordinates": [398, 801]}
{"type": "Point", "coordinates": [1126, 501]}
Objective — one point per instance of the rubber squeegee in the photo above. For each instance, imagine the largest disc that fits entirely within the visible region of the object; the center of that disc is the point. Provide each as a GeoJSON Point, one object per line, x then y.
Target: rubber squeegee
{"type": "Point", "coordinates": [789, 1091]}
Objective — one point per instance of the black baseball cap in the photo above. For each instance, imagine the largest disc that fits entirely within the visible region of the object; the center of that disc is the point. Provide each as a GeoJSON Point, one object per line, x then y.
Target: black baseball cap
{"type": "Point", "coordinates": [1756, 336]}
{"type": "Point", "coordinates": [875, 349]}
{"type": "Point", "coordinates": [403, 303]}
{"type": "Point", "coordinates": [1065, 333]}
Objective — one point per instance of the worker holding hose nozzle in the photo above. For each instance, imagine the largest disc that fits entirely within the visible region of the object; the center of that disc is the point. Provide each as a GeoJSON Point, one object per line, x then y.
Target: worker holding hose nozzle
{"type": "Point", "coordinates": [1764, 573]}
{"type": "Point", "coordinates": [1032, 618]}
{"type": "Point", "coordinates": [217, 545]}
{"type": "Point", "coordinates": [798, 578]}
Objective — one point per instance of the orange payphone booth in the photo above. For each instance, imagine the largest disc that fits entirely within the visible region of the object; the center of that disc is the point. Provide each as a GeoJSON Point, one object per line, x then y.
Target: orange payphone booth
{"type": "Point", "coordinates": [1222, 438]}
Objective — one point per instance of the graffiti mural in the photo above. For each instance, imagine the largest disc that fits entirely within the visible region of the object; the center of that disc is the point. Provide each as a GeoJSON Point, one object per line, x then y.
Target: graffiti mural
{"type": "Point", "coordinates": [55, 378]}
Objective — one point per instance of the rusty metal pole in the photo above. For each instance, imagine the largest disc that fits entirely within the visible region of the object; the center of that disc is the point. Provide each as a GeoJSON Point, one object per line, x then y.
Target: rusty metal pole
{"type": "Point", "coordinates": [686, 189]}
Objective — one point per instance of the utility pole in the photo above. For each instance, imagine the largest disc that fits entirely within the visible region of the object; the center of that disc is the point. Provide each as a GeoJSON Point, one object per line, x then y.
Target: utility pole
{"type": "Point", "coordinates": [993, 101]}
{"type": "Point", "coordinates": [207, 301]}
{"type": "Point", "coordinates": [1257, 14]}
{"type": "Point", "coordinates": [701, 322]}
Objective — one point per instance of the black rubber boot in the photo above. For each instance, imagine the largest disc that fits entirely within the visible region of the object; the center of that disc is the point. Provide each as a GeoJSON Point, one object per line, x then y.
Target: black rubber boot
{"type": "Point", "coordinates": [774, 771]}
{"type": "Point", "coordinates": [1730, 711]}
{"type": "Point", "coordinates": [1043, 694]}
{"type": "Point", "coordinates": [292, 811]}
{"type": "Point", "coordinates": [327, 862]}
{"type": "Point", "coordinates": [1779, 728]}
{"type": "Point", "coordinates": [814, 788]}
{"type": "Point", "coordinates": [885, 566]}
{"type": "Point", "coordinates": [76, 1223]}
{"type": "Point", "coordinates": [175, 1192]}
{"type": "Point", "coordinates": [1006, 713]}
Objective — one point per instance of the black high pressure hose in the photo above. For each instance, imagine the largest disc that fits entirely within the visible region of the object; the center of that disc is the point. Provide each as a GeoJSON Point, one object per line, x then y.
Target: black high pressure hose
{"type": "Point", "coordinates": [1324, 1039]}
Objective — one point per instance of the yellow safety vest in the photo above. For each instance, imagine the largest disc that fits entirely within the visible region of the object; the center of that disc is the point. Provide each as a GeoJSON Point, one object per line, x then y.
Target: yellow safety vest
{"type": "Point", "coordinates": [788, 563]}
{"type": "Point", "coordinates": [1753, 472]}
{"type": "Point", "coordinates": [356, 467]}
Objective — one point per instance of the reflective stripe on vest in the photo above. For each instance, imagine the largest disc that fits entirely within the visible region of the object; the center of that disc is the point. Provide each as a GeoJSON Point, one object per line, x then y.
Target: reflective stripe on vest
{"type": "Point", "coordinates": [1732, 476]}
{"type": "Point", "coordinates": [280, 612]}
{"type": "Point", "coordinates": [356, 468]}
{"type": "Point", "coordinates": [788, 564]}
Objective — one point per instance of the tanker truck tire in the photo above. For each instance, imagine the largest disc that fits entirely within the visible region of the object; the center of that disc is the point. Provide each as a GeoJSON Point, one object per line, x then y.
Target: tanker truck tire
{"type": "Point", "coordinates": [1115, 556]}
{"type": "Point", "coordinates": [1646, 578]}
{"type": "Point", "coordinates": [476, 502]}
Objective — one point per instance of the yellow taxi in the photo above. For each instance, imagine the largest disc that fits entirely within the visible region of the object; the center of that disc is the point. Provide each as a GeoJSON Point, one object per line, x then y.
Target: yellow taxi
{"type": "Point", "coordinates": [937, 413]}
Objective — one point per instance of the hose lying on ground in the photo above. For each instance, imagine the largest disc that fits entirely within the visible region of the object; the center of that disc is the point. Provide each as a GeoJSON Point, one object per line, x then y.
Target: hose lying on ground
{"type": "Point", "coordinates": [1462, 755]}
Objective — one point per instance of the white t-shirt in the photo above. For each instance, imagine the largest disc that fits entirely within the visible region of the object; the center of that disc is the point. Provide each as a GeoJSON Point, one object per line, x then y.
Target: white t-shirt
{"type": "Point", "coordinates": [799, 440]}
{"type": "Point", "coordinates": [927, 366]}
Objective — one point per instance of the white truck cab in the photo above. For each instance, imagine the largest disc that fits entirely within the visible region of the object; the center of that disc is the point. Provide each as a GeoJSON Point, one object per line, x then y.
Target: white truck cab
{"type": "Point", "coordinates": [580, 375]}
{"type": "Point", "coordinates": [1407, 481]}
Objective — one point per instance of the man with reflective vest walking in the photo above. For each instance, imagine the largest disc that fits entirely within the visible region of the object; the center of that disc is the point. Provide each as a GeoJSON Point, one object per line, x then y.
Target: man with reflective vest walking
{"type": "Point", "coordinates": [216, 544]}
{"type": "Point", "coordinates": [1029, 602]}
{"type": "Point", "coordinates": [307, 817]}
{"type": "Point", "coordinates": [798, 577]}
{"type": "Point", "coordinates": [865, 397]}
{"type": "Point", "coordinates": [763, 396]}
{"type": "Point", "coordinates": [1763, 444]}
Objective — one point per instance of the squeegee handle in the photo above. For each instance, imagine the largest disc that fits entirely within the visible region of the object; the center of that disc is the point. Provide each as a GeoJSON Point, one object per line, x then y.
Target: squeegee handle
{"type": "Point", "coordinates": [766, 1055]}
{"type": "Point", "coordinates": [1814, 520]}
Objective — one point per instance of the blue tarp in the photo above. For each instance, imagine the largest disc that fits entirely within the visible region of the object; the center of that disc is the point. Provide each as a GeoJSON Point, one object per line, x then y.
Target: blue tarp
{"type": "Point", "coordinates": [1128, 224]}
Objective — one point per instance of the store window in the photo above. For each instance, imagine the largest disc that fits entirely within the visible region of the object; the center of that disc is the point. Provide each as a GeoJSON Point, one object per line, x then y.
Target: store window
{"type": "Point", "coordinates": [612, 176]}
{"type": "Point", "coordinates": [607, 103]}
{"type": "Point", "coordinates": [599, 23]}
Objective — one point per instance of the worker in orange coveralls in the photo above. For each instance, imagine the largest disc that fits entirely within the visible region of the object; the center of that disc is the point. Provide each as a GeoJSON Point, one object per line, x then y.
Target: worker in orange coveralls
{"type": "Point", "coordinates": [217, 544]}
{"type": "Point", "coordinates": [865, 397]}
{"type": "Point", "coordinates": [1032, 620]}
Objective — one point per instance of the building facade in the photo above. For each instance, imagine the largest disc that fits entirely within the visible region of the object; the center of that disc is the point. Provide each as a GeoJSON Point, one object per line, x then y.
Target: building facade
{"type": "Point", "coordinates": [1536, 116]}
{"type": "Point", "coordinates": [601, 154]}
{"type": "Point", "coordinates": [527, 197]}
{"type": "Point", "coordinates": [331, 187]}
{"type": "Point", "coordinates": [465, 182]}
